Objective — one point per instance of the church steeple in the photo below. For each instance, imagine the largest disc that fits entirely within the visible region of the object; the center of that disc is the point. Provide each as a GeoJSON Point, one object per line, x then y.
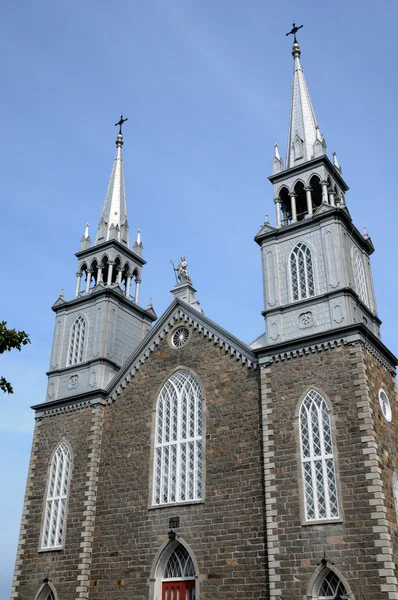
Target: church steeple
{"type": "Point", "coordinates": [102, 325]}
{"type": "Point", "coordinates": [304, 140]}
{"type": "Point", "coordinates": [316, 268]}
{"type": "Point", "coordinates": [113, 222]}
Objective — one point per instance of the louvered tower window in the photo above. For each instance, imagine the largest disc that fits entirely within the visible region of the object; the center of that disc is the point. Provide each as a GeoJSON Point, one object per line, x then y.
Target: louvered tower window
{"type": "Point", "coordinates": [360, 279]}
{"type": "Point", "coordinates": [178, 441]}
{"type": "Point", "coordinates": [54, 522]}
{"type": "Point", "coordinates": [395, 491]}
{"type": "Point", "coordinates": [332, 587]}
{"type": "Point", "coordinates": [77, 341]}
{"type": "Point", "coordinates": [301, 272]}
{"type": "Point", "coordinates": [320, 489]}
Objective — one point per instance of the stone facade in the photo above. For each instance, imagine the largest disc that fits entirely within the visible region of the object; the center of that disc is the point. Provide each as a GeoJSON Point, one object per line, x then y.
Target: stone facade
{"type": "Point", "coordinates": [117, 542]}
{"type": "Point", "coordinates": [358, 546]}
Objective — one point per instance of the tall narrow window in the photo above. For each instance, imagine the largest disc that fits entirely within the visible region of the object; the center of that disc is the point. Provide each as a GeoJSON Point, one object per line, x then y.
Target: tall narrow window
{"type": "Point", "coordinates": [54, 521]}
{"type": "Point", "coordinates": [301, 272]}
{"type": "Point", "coordinates": [395, 492]}
{"type": "Point", "coordinates": [76, 342]}
{"type": "Point", "coordinates": [320, 489]}
{"type": "Point", "coordinates": [360, 279]}
{"type": "Point", "coordinates": [178, 441]}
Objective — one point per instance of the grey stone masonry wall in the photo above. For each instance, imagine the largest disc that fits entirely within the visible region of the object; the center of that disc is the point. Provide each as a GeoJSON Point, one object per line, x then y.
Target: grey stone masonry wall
{"type": "Point", "coordinates": [59, 566]}
{"type": "Point", "coordinates": [359, 544]}
{"type": "Point", "coordinates": [226, 530]}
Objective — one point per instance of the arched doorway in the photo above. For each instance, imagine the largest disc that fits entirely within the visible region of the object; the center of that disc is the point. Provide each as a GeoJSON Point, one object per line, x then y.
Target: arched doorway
{"type": "Point", "coordinates": [179, 581]}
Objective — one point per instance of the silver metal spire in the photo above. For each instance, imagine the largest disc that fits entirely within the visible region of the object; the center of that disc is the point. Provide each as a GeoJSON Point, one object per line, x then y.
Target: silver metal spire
{"type": "Point", "coordinates": [304, 140]}
{"type": "Point", "coordinates": [113, 223]}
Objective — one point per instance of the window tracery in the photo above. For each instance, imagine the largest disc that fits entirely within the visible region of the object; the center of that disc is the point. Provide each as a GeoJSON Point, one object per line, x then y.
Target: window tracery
{"type": "Point", "coordinates": [55, 510]}
{"type": "Point", "coordinates": [332, 587]}
{"type": "Point", "coordinates": [301, 272]}
{"type": "Point", "coordinates": [178, 441]}
{"type": "Point", "coordinates": [319, 478]}
{"type": "Point", "coordinates": [77, 342]}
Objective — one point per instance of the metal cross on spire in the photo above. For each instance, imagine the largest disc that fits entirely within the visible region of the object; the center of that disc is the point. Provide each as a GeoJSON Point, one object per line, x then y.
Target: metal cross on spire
{"type": "Point", "coordinates": [294, 31]}
{"type": "Point", "coordinates": [120, 123]}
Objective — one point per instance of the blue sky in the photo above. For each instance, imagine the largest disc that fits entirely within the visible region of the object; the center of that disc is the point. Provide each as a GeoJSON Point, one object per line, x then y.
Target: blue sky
{"type": "Point", "coordinates": [206, 87]}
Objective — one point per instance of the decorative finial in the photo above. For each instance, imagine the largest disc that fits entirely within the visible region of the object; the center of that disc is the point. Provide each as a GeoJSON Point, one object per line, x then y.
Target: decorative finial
{"type": "Point", "coordinates": [277, 155]}
{"type": "Point", "coordinates": [62, 293]}
{"type": "Point", "coordinates": [150, 305]}
{"type": "Point", "coordinates": [138, 236]}
{"type": "Point", "coordinates": [120, 123]}
{"type": "Point", "coordinates": [294, 31]}
{"type": "Point", "coordinates": [266, 222]}
{"type": "Point", "coordinates": [86, 234]}
{"type": "Point", "coordinates": [336, 162]}
{"type": "Point", "coordinates": [365, 234]}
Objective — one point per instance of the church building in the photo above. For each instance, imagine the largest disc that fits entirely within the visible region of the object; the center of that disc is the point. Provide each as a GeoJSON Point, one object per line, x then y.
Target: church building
{"type": "Point", "coordinates": [172, 461]}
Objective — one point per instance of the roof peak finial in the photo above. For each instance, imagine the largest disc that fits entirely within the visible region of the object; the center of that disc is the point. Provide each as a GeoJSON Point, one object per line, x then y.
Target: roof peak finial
{"type": "Point", "coordinates": [293, 32]}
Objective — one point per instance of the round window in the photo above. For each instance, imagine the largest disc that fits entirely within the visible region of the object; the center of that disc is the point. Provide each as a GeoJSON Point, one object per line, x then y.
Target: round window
{"type": "Point", "coordinates": [180, 337]}
{"type": "Point", "coordinates": [385, 405]}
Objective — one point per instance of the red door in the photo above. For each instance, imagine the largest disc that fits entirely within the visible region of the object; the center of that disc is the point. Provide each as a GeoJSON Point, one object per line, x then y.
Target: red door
{"type": "Point", "coordinates": [178, 590]}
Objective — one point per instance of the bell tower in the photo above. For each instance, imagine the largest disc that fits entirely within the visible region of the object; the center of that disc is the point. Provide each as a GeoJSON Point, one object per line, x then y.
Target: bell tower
{"type": "Point", "coordinates": [100, 327]}
{"type": "Point", "coordinates": [328, 389]}
{"type": "Point", "coordinates": [316, 267]}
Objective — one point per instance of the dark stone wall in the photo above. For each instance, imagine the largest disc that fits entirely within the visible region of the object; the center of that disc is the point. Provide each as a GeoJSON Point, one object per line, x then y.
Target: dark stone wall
{"type": "Point", "coordinates": [226, 531]}
{"type": "Point", "coordinates": [60, 566]}
{"type": "Point", "coordinates": [344, 375]}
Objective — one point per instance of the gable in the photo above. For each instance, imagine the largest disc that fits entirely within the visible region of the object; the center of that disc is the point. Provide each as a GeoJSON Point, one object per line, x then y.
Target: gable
{"type": "Point", "coordinates": [181, 313]}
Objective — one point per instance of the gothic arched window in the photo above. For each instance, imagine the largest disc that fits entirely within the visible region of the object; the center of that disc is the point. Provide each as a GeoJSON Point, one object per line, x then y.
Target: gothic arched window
{"type": "Point", "coordinates": [76, 342]}
{"type": "Point", "coordinates": [301, 272]}
{"type": "Point", "coordinates": [178, 441]}
{"type": "Point", "coordinates": [179, 564]}
{"type": "Point", "coordinates": [360, 279]}
{"type": "Point", "coordinates": [57, 493]}
{"type": "Point", "coordinates": [46, 593]}
{"type": "Point", "coordinates": [331, 587]}
{"type": "Point", "coordinates": [395, 492]}
{"type": "Point", "coordinates": [319, 478]}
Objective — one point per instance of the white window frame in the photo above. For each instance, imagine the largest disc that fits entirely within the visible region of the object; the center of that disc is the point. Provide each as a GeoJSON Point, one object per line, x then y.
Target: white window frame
{"type": "Point", "coordinates": [302, 281]}
{"type": "Point", "coordinates": [360, 277]}
{"type": "Point", "coordinates": [56, 500]}
{"type": "Point", "coordinates": [395, 493]}
{"type": "Point", "coordinates": [173, 481]}
{"type": "Point", "coordinates": [314, 458]}
{"type": "Point", "coordinates": [77, 341]}
{"type": "Point", "coordinates": [385, 405]}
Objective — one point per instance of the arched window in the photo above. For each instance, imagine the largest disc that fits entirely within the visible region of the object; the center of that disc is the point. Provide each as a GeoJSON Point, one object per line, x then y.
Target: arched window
{"type": "Point", "coordinates": [54, 520]}
{"type": "Point", "coordinates": [76, 342]}
{"type": "Point", "coordinates": [360, 279]}
{"type": "Point", "coordinates": [301, 272]}
{"type": "Point", "coordinates": [395, 492]}
{"type": "Point", "coordinates": [46, 593]}
{"type": "Point", "coordinates": [319, 478]}
{"type": "Point", "coordinates": [179, 576]}
{"type": "Point", "coordinates": [179, 564]}
{"type": "Point", "coordinates": [178, 441]}
{"type": "Point", "coordinates": [331, 587]}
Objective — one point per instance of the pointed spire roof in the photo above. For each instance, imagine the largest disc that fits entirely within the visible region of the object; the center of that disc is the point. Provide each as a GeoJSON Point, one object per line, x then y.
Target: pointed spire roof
{"type": "Point", "coordinates": [304, 140]}
{"type": "Point", "coordinates": [113, 222]}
